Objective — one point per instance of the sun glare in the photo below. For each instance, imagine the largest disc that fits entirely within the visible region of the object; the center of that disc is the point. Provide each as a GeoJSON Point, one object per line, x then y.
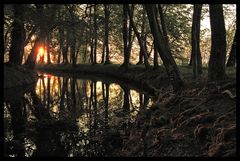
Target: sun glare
{"type": "Point", "coordinates": [41, 55]}
{"type": "Point", "coordinates": [41, 51]}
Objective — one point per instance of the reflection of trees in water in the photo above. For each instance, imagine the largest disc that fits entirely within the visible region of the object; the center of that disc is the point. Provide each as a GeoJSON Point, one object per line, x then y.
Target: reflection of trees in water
{"type": "Point", "coordinates": [144, 100]}
{"type": "Point", "coordinates": [105, 93]}
{"type": "Point", "coordinates": [60, 102]}
{"type": "Point", "coordinates": [63, 96]}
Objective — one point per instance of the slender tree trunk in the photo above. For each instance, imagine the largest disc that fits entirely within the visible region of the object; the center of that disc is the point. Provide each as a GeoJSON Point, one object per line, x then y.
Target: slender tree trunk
{"type": "Point", "coordinates": [106, 34]}
{"type": "Point", "coordinates": [216, 65]}
{"type": "Point", "coordinates": [48, 49]}
{"type": "Point", "coordinates": [130, 36]}
{"type": "Point", "coordinates": [106, 107]}
{"type": "Point", "coordinates": [197, 59]}
{"type": "Point", "coordinates": [139, 39]}
{"type": "Point", "coordinates": [95, 106]}
{"type": "Point", "coordinates": [164, 28]}
{"type": "Point", "coordinates": [65, 50]}
{"type": "Point", "coordinates": [62, 99]}
{"type": "Point", "coordinates": [163, 50]}
{"type": "Point", "coordinates": [95, 34]}
{"type": "Point", "coordinates": [61, 35]}
{"type": "Point", "coordinates": [91, 36]}
{"type": "Point", "coordinates": [142, 37]}
{"type": "Point", "coordinates": [155, 57]}
{"type": "Point", "coordinates": [85, 52]}
{"type": "Point", "coordinates": [103, 53]}
{"type": "Point", "coordinates": [232, 55]}
{"type": "Point", "coordinates": [73, 48]}
{"type": "Point", "coordinates": [18, 37]}
{"type": "Point", "coordinates": [125, 37]}
{"type": "Point", "coordinates": [126, 105]}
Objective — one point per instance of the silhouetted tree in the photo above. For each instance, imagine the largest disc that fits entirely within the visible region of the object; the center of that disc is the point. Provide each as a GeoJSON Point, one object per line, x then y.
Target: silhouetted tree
{"type": "Point", "coordinates": [216, 65]}
{"type": "Point", "coordinates": [197, 60]}
{"type": "Point", "coordinates": [106, 35]}
{"type": "Point", "coordinates": [141, 44]}
{"type": "Point", "coordinates": [18, 36]}
{"type": "Point", "coordinates": [163, 49]}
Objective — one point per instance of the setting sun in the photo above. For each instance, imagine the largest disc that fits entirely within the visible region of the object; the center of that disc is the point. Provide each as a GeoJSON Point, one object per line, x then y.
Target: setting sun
{"type": "Point", "coordinates": [41, 55]}
{"type": "Point", "coordinates": [41, 51]}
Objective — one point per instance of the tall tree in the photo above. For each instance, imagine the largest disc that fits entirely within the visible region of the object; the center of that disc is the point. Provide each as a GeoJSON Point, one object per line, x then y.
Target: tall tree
{"type": "Point", "coordinates": [106, 35]}
{"type": "Point", "coordinates": [163, 24]}
{"type": "Point", "coordinates": [216, 64]}
{"type": "Point", "coordinates": [143, 36]}
{"type": "Point", "coordinates": [95, 34]}
{"type": "Point", "coordinates": [125, 37]}
{"type": "Point", "coordinates": [65, 48]}
{"type": "Point", "coordinates": [91, 34]}
{"type": "Point", "coordinates": [140, 41]}
{"type": "Point", "coordinates": [232, 55]}
{"type": "Point", "coordinates": [18, 36]}
{"type": "Point", "coordinates": [163, 50]}
{"type": "Point", "coordinates": [197, 60]}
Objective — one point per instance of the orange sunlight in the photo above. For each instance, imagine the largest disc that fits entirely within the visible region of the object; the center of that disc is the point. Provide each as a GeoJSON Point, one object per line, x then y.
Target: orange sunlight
{"type": "Point", "coordinates": [42, 55]}
{"type": "Point", "coordinates": [41, 51]}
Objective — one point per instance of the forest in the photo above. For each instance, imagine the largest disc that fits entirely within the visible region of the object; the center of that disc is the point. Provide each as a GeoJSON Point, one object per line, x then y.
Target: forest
{"type": "Point", "coordinates": [119, 80]}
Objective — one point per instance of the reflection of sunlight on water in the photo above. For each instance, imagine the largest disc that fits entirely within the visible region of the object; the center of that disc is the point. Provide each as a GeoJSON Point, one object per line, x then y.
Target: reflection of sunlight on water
{"type": "Point", "coordinates": [114, 91]}
{"type": "Point", "coordinates": [84, 107]}
{"type": "Point", "coordinates": [82, 123]}
{"type": "Point", "coordinates": [135, 98]}
{"type": "Point", "coordinates": [71, 100]}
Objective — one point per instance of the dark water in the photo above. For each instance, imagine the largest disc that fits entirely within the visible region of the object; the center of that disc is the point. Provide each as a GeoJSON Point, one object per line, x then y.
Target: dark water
{"type": "Point", "coordinates": [62, 116]}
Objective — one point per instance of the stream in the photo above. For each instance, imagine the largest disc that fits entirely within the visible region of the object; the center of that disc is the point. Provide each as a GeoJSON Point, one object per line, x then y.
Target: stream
{"type": "Point", "coordinates": [70, 117]}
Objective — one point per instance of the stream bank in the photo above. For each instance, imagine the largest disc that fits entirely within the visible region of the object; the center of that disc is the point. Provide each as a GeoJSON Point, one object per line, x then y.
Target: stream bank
{"type": "Point", "coordinates": [18, 76]}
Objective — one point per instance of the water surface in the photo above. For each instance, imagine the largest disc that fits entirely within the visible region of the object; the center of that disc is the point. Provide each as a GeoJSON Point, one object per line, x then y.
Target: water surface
{"type": "Point", "coordinates": [62, 116]}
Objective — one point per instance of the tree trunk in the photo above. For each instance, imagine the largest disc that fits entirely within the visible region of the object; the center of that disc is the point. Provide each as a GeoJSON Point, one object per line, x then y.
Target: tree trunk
{"type": "Point", "coordinates": [216, 65]}
{"type": "Point", "coordinates": [48, 49]}
{"type": "Point", "coordinates": [143, 37]}
{"type": "Point", "coordinates": [163, 50]}
{"type": "Point", "coordinates": [130, 36]}
{"type": "Point", "coordinates": [126, 105]}
{"type": "Point", "coordinates": [232, 55]}
{"type": "Point", "coordinates": [155, 56]}
{"type": "Point", "coordinates": [106, 126]}
{"type": "Point", "coordinates": [164, 28]}
{"type": "Point", "coordinates": [73, 49]}
{"type": "Point", "coordinates": [91, 35]}
{"type": "Point", "coordinates": [65, 49]}
{"type": "Point", "coordinates": [197, 60]}
{"type": "Point", "coordinates": [61, 35]}
{"type": "Point", "coordinates": [95, 35]}
{"type": "Point", "coordinates": [18, 37]}
{"type": "Point", "coordinates": [125, 37]}
{"type": "Point", "coordinates": [106, 34]}
{"type": "Point", "coordinates": [139, 39]}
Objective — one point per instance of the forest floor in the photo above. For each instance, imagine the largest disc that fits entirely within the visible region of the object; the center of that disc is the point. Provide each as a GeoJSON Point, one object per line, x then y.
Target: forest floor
{"type": "Point", "coordinates": [198, 121]}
